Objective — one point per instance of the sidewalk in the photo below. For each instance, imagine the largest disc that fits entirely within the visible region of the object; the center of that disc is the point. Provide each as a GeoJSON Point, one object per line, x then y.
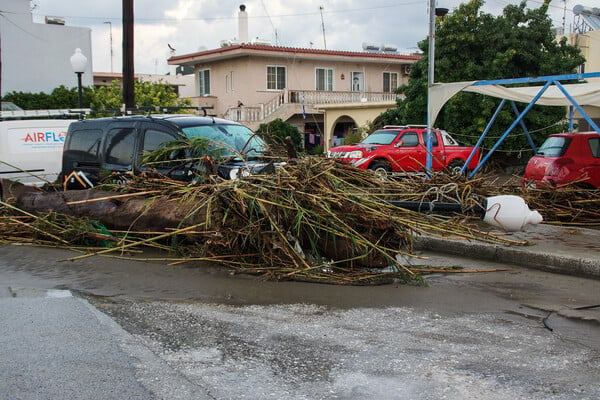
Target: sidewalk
{"type": "Point", "coordinates": [560, 249]}
{"type": "Point", "coordinates": [57, 346]}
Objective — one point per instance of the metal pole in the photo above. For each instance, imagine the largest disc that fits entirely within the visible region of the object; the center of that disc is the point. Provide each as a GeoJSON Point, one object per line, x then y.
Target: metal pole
{"type": "Point", "coordinates": [79, 90]}
{"type": "Point", "coordinates": [128, 74]}
{"type": "Point", "coordinates": [323, 27]}
{"type": "Point", "coordinates": [430, 80]}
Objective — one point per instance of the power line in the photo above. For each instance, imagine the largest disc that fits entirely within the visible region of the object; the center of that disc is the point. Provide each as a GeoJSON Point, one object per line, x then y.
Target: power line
{"type": "Point", "coordinates": [225, 18]}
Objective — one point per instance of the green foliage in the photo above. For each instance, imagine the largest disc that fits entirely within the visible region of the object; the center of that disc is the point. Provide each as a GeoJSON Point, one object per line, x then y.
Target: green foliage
{"type": "Point", "coordinates": [472, 45]}
{"type": "Point", "coordinates": [360, 133]}
{"type": "Point", "coordinates": [60, 98]}
{"type": "Point", "coordinates": [147, 94]}
{"type": "Point", "coordinates": [276, 131]}
{"type": "Point", "coordinates": [191, 148]}
{"type": "Point", "coordinates": [353, 138]}
{"type": "Point", "coordinates": [317, 150]}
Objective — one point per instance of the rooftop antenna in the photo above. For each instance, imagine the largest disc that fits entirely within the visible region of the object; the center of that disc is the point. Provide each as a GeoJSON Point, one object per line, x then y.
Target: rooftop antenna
{"type": "Point", "coordinates": [323, 26]}
{"type": "Point", "coordinates": [271, 22]}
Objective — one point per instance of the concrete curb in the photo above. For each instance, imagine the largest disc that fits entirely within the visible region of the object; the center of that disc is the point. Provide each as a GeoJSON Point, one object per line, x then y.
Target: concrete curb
{"type": "Point", "coordinates": [531, 256]}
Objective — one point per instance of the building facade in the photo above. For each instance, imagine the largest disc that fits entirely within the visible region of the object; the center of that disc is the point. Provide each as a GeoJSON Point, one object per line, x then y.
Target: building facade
{"type": "Point", "coordinates": [35, 56]}
{"type": "Point", "coordinates": [255, 83]}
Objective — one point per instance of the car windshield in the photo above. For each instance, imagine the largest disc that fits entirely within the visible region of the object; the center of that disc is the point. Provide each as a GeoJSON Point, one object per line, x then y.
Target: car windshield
{"type": "Point", "coordinates": [237, 139]}
{"type": "Point", "coordinates": [554, 146]}
{"type": "Point", "coordinates": [380, 137]}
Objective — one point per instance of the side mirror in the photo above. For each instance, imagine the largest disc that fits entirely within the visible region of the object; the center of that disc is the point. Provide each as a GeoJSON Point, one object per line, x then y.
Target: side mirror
{"type": "Point", "coordinates": [399, 143]}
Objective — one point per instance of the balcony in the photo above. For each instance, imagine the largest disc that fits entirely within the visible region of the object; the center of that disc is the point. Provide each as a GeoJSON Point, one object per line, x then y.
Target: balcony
{"type": "Point", "coordinates": [297, 100]}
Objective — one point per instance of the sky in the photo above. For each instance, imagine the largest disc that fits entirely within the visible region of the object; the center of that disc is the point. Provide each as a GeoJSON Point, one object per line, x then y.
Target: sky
{"type": "Point", "coordinates": [190, 26]}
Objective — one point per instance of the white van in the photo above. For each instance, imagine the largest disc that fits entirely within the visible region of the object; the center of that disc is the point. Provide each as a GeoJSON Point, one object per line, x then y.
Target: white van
{"type": "Point", "coordinates": [31, 149]}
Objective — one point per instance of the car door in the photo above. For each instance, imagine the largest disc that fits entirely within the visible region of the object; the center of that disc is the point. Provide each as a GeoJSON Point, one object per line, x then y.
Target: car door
{"type": "Point", "coordinates": [120, 144]}
{"type": "Point", "coordinates": [438, 155]}
{"type": "Point", "coordinates": [152, 136]}
{"type": "Point", "coordinates": [406, 154]}
{"type": "Point", "coordinates": [82, 151]}
{"type": "Point", "coordinates": [593, 164]}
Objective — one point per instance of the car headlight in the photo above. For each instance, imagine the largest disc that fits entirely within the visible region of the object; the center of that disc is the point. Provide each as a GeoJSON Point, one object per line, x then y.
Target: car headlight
{"type": "Point", "coordinates": [354, 154]}
{"type": "Point", "coordinates": [237, 173]}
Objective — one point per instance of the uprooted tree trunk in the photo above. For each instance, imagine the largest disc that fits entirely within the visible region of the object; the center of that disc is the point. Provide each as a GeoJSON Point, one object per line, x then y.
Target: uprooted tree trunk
{"type": "Point", "coordinates": [243, 226]}
{"type": "Point", "coordinates": [134, 211]}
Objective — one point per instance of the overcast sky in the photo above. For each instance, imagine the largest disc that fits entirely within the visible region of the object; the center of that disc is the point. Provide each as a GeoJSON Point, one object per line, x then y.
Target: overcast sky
{"type": "Point", "coordinates": [194, 25]}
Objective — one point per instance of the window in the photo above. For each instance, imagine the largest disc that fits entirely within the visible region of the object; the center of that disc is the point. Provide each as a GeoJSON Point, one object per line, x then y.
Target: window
{"type": "Point", "coordinates": [204, 82]}
{"type": "Point", "coordinates": [434, 140]}
{"type": "Point", "coordinates": [358, 81]}
{"type": "Point", "coordinates": [390, 81]}
{"type": "Point", "coordinates": [275, 77]}
{"type": "Point", "coordinates": [595, 146]}
{"type": "Point", "coordinates": [410, 139]}
{"type": "Point", "coordinates": [554, 146]}
{"type": "Point", "coordinates": [324, 79]}
{"type": "Point", "coordinates": [85, 144]}
{"type": "Point", "coordinates": [120, 143]}
{"type": "Point", "coordinates": [153, 139]}
{"type": "Point", "coordinates": [229, 82]}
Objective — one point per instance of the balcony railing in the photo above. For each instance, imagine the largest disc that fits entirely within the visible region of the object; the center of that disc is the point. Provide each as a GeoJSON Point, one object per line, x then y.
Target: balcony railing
{"type": "Point", "coordinates": [306, 97]}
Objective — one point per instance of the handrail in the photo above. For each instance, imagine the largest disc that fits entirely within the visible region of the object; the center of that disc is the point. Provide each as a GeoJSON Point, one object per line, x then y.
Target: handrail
{"type": "Point", "coordinates": [306, 97]}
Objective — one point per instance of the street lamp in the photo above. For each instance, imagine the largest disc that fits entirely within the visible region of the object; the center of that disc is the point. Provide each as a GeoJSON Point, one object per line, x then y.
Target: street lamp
{"type": "Point", "coordinates": [78, 63]}
{"type": "Point", "coordinates": [433, 12]}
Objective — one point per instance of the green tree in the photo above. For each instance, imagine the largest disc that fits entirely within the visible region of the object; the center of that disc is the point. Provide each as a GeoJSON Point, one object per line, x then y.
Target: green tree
{"type": "Point", "coordinates": [147, 94]}
{"type": "Point", "coordinates": [277, 130]}
{"type": "Point", "coordinates": [473, 45]}
{"type": "Point", "coordinates": [60, 98]}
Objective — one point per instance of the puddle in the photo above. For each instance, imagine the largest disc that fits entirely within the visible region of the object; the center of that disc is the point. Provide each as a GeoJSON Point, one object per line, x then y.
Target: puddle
{"type": "Point", "coordinates": [586, 333]}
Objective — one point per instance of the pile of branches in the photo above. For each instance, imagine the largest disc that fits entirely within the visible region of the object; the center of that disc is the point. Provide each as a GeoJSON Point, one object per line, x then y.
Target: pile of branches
{"type": "Point", "coordinates": [570, 205]}
{"type": "Point", "coordinates": [316, 220]}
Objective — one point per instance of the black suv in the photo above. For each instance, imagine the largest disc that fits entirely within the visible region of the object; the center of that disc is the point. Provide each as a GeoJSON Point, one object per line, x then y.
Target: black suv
{"type": "Point", "coordinates": [97, 148]}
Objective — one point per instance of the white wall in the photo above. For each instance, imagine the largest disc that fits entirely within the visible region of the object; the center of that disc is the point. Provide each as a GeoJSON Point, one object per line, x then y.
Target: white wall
{"type": "Point", "coordinates": [36, 57]}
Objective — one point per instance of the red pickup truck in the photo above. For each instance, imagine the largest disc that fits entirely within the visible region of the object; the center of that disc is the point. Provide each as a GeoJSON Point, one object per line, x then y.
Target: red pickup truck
{"type": "Point", "coordinates": [404, 149]}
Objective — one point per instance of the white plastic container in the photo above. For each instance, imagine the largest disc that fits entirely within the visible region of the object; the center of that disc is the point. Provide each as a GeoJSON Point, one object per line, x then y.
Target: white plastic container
{"type": "Point", "coordinates": [510, 213]}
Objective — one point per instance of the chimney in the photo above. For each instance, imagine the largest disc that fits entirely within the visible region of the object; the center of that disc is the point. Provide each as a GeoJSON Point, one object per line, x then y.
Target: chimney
{"type": "Point", "coordinates": [243, 25]}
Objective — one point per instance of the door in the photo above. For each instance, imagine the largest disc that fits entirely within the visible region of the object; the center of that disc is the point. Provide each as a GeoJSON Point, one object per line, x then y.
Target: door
{"type": "Point", "coordinates": [358, 81]}
{"type": "Point", "coordinates": [406, 154]}
{"type": "Point", "coordinates": [119, 149]}
{"type": "Point", "coordinates": [152, 138]}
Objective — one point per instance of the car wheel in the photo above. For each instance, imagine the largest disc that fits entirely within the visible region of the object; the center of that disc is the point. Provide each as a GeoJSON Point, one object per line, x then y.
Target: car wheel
{"type": "Point", "coordinates": [455, 166]}
{"type": "Point", "coordinates": [381, 168]}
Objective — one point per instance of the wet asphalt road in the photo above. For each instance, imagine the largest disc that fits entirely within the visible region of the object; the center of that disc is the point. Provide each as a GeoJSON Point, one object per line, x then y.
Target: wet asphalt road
{"type": "Point", "coordinates": [190, 333]}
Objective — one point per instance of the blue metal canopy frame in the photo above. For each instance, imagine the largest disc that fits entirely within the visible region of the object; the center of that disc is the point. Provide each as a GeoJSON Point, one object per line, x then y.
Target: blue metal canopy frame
{"type": "Point", "coordinates": [549, 80]}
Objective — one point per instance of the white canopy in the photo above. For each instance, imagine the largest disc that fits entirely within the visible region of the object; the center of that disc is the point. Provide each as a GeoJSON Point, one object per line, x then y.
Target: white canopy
{"type": "Point", "coordinates": [585, 94]}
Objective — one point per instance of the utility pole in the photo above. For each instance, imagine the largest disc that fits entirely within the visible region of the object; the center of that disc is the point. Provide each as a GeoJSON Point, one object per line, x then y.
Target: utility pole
{"type": "Point", "coordinates": [128, 80]}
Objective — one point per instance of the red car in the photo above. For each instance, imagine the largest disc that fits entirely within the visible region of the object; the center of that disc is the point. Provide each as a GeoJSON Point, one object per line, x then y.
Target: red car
{"type": "Point", "coordinates": [404, 149]}
{"type": "Point", "coordinates": [566, 158]}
